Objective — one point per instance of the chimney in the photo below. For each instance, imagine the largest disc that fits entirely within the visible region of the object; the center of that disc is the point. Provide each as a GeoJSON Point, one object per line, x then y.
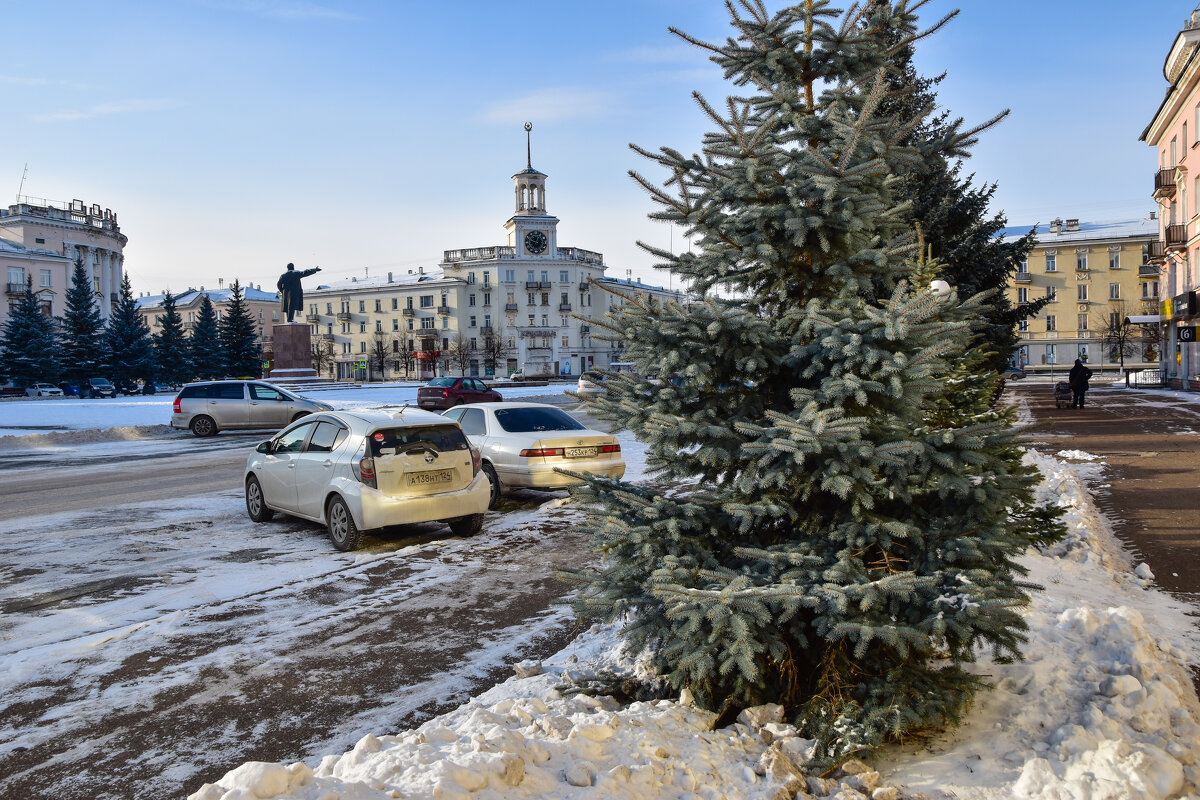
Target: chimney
{"type": "Point", "coordinates": [1153, 215]}
{"type": "Point", "coordinates": [1056, 225]}
{"type": "Point", "coordinates": [390, 277]}
{"type": "Point", "coordinates": [1072, 225]}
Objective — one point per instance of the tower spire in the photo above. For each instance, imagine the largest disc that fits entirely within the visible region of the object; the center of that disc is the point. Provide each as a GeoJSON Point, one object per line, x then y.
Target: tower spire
{"type": "Point", "coordinates": [528, 151]}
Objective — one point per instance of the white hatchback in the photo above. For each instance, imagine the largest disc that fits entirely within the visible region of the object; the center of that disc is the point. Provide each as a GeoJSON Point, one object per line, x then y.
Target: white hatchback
{"type": "Point", "coordinates": [522, 444]}
{"type": "Point", "coordinates": [359, 471]}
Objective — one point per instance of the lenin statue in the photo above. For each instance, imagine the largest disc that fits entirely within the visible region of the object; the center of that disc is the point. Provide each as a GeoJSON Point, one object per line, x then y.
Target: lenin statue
{"type": "Point", "coordinates": [291, 296]}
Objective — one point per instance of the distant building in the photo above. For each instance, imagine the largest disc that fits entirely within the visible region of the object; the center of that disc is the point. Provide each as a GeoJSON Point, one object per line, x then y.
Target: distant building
{"type": "Point", "coordinates": [1095, 273]}
{"type": "Point", "coordinates": [1177, 251]}
{"type": "Point", "coordinates": [41, 240]}
{"type": "Point", "coordinates": [263, 307]}
{"type": "Point", "coordinates": [526, 291]}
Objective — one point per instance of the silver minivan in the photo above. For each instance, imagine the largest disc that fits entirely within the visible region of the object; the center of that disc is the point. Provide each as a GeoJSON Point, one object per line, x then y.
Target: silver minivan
{"type": "Point", "coordinates": [209, 407]}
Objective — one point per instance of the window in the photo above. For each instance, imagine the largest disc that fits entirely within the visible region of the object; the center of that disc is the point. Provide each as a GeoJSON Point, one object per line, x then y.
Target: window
{"type": "Point", "coordinates": [1114, 259]}
{"type": "Point", "coordinates": [1051, 322]}
{"type": "Point", "coordinates": [1023, 326]}
{"type": "Point", "coordinates": [362, 327]}
{"type": "Point", "coordinates": [426, 301]}
{"type": "Point", "coordinates": [16, 275]}
{"type": "Point", "coordinates": [1051, 262]}
{"type": "Point", "coordinates": [362, 306]}
{"type": "Point", "coordinates": [346, 348]}
{"type": "Point", "coordinates": [395, 324]}
{"type": "Point", "coordinates": [470, 277]}
{"type": "Point", "coordinates": [1114, 291]}
{"type": "Point", "coordinates": [1051, 354]}
{"type": "Point", "coordinates": [395, 303]}
{"type": "Point", "coordinates": [530, 299]}
{"type": "Point", "coordinates": [471, 300]}
{"type": "Point", "coordinates": [545, 321]}
{"type": "Point", "coordinates": [378, 326]}
{"type": "Point", "coordinates": [329, 308]}
{"type": "Point", "coordinates": [1114, 321]}
{"type": "Point", "coordinates": [1082, 323]}
{"type": "Point", "coordinates": [1022, 295]}
{"type": "Point", "coordinates": [472, 322]}
{"type": "Point", "coordinates": [510, 274]}
{"type": "Point", "coordinates": [1052, 293]}
{"type": "Point", "coordinates": [45, 280]}
{"type": "Point", "coordinates": [1081, 261]}
{"type": "Point", "coordinates": [565, 339]}
{"type": "Point", "coordinates": [487, 297]}
{"type": "Point", "coordinates": [1174, 160]}
{"type": "Point", "coordinates": [545, 298]}
{"type": "Point", "coordinates": [378, 306]}
{"type": "Point", "coordinates": [410, 323]}
{"type": "Point", "coordinates": [1081, 291]}
{"type": "Point", "coordinates": [345, 327]}
{"type": "Point", "coordinates": [445, 323]}
{"type": "Point", "coordinates": [39, 240]}
{"type": "Point", "coordinates": [545, 276]}
{"type": "Point", "coordinates": [564, 276]}
{"type": "Point", "coordinates": [362, 347]}
{"type": "Point", "coordinates": [427, 323]}
{"type": "Point", "coordinates": [529, 276]}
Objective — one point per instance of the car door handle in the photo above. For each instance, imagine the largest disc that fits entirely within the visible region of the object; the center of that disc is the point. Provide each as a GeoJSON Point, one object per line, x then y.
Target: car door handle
{"type": "Point", "coordinates": [291, 465]}
{"type": "Point", "coordinates": [327, 463]}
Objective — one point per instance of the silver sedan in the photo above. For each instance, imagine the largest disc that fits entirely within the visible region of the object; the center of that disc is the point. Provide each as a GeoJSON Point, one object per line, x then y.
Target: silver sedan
{"type": "Point", "coordinates": [523, 443]}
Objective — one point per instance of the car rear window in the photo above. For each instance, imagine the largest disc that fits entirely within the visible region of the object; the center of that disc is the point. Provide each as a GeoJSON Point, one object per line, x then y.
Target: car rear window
{"type": "Point", "coordinates": [390, 441]}
{"type": "Point", "coordinates": [227, 391]}
{"type": "Point", "coordinates": [194, 391]}
{"type": "Point", "coordinates": [529, 420]}
{"type": "Point", "coordinates": [441, 382]}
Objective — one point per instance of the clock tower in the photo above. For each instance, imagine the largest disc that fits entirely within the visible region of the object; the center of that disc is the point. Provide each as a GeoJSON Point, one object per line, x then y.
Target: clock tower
{"type": "Point", "coordinates": [530, 229]}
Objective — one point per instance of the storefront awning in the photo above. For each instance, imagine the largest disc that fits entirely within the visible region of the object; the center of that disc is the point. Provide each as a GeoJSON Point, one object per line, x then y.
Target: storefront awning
{"type": "Point", "coordinates": [1144, 319]}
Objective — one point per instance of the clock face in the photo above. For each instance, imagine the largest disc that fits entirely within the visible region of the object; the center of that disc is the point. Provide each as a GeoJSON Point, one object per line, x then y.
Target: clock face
{"type": "Point", "coordinates": [535, 242]}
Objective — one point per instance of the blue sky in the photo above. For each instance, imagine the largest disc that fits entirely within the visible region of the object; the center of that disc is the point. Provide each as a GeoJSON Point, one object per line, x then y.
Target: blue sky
{"type": "Point", "coordinates": [233, 136]}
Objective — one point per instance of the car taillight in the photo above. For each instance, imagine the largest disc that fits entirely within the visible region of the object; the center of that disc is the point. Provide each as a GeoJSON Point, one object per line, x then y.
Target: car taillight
{"type": "Point", "coordinates": [445, 392]}
{"type": "Point", "coordinates": [610, 448]}
{"type": "Point", "coordinates": [476, 461]}
{"type": "Point", "coordinates": [175, 407]}
{"type": "Point", "coordinates": [364, 471]}
{"type": "Point", "coordinates": [542, 452]}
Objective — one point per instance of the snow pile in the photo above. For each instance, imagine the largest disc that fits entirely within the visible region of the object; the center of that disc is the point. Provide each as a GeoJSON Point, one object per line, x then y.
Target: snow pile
{"type": "Point", "coordinates": [55, 439]}
{"type": "Point", "coordinates": [1102, 709]}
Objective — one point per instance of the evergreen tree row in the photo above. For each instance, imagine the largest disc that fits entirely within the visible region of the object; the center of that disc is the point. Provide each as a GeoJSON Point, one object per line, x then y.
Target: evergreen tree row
{"type": "Point", "coordinates": [34, 347]}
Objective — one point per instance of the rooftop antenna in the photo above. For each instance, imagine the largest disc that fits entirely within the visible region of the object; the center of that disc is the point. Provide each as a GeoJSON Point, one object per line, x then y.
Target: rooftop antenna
{"type": "Point", "coordinates": [528, 150]}
{"type": "Point", "coordinates": [21, 187]}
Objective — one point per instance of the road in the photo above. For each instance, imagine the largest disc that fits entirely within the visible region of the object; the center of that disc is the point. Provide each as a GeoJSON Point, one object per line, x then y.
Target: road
{"type": "Point", "coordinates": [152, 637]}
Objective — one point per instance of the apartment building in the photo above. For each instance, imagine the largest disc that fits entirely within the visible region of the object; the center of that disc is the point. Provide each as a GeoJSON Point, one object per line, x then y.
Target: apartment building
{"type": "Point", "coordinates": [262, 305]}
{"type": "Point", "coordinates": [1174, 132]}
{"type": "Point", "coordinates": [41, 240]}
{"type": "Point", "coordinates": [532, 293]}
{"type": "Point", "coordinates": [1096, 274]}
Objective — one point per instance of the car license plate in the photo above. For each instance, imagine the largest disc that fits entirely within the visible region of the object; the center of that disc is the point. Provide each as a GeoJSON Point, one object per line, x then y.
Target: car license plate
{"type": "Point", "coordinates": [430, 477]}
{"type": "Point", "coordinates": [581, 452]}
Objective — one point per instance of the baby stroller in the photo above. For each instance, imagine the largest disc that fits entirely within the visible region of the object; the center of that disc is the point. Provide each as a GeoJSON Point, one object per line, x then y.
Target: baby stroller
{"type": "Point", "coordinates": [1063, 394]}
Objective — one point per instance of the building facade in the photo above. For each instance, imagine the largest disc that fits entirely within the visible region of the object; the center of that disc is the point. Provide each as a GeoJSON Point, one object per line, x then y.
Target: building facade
{"type": "Point", "coordinates": [263, 307]}
{"type": "Point", "coordinates": [42, 240]}
{"type": "Point", "coordinates": [1096, 275]}
{"type": "Point", "coordinates": [1174, 132]}
{"type": "Point", "coordinates": [532, 294]}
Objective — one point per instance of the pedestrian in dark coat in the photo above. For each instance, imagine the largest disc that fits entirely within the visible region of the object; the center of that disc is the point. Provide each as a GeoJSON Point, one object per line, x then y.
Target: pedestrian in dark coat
{"type": "Point", "coordinates": [1079, 383]}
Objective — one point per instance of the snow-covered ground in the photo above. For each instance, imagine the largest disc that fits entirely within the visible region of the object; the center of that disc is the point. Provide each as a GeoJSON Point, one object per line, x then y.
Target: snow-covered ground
{"type": "Point", "coordinates": [1102, 707]}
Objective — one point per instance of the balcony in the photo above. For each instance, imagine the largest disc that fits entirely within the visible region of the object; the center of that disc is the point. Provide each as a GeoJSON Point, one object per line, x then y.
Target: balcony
{"type": "Point", "coordinates": [564, 307]}
{"type": "Point", "coordinates": [1176, 237]}
{"type": "Point", "coordinates": [1024, 277]}
{"type": "Point", "coordinates": [1164, 183]}
{"type": "Point", "coordinates": [312, 319]}
{"type": "Point", "coordinates": [1155, 253]}
{"type": "Point", "coordinates": [510, 307]}
{"type": "Point", "coordinates": [1149, 270]}
{"type": "Point", "coordinates": [487, 330]}
{"type": "Point", "coordinates": [15, 289]}
{"type": "Point", "coordinates": [409, 312]}
{"type": "Point", "coordinates": [344, 316]}
{"type": "Point", "coordinates": [324, 337]}
{"type": "Point", "coordinates": [533, 348]}
{"type": "Point", "coordinates": [584, 286]}
{"type": "Point", "coordinates": [533, 284]}
{"type": "Point", "coordinates": [443, 310]}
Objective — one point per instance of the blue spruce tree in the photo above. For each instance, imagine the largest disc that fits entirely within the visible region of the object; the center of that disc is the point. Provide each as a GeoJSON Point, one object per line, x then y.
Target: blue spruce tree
{"type": "Point", "coordinates": [172, 359]}
{"type": "Point", "coordinates": [204, 345]}
{"type": "Point", "coordinates": [127, 340]}
{"type": "Point", "coordinates": [82, 329]}
{"type": "Point", "coordinates": [29, 342]}
{"type": "Point", "coordinates": [238, 337]}
{"type": "Point", "coordinates": [822, 529]}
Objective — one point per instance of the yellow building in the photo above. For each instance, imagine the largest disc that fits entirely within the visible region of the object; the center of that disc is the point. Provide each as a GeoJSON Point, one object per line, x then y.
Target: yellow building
{"type": "Point", "coordinates": [1096, 274]}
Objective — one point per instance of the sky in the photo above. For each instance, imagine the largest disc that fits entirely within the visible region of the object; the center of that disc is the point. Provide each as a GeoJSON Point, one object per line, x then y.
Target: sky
{"type": "Point", "coordinates": [366, 136]}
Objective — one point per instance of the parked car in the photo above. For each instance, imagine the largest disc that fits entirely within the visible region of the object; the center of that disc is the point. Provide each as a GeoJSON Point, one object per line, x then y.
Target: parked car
{"type": "Point", "coordinates": [359, 471]}
{"type": "Point", "coordinates": [589, 383]}
{"type": "Point", "coordinates": [43, 390]}
{"type": "Point", "coordinates": [522, 443]}
{"type": "Point", "coordinates": [1014, 373]}
{"type": "Point", "coordinates": [97, 387]}
{"type": "Point", "coordinates": [442, 393]}
{"type": "Point", "coordinates": [209, 407]}
{"type": "Point", "coordinates": [156, 387]}
{"type": "Point", "coordinates": [69, 389]}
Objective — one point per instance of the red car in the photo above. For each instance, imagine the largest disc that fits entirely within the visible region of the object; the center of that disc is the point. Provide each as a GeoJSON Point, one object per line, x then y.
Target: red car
{"type": "Point", "coordinates": [444, 393]}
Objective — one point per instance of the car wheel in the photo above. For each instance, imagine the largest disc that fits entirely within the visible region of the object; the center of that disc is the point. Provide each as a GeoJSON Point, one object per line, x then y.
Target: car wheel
{"type": "Point", "coordinates": [493, 484]}
{"type": "Point", "coordinates": [344, 534]}
{"type": "Point", "coordinates": [204, 426]}
{"type": "Point", "coordinates": [256, 504]}
{"type": "Point", "coordinates": [466, 526]}
{"type": "Point", "coordinates": [298, 416]}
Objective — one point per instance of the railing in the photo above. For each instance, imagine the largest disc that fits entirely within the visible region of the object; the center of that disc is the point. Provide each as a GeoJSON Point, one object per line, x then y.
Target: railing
{"type": "Point", "coordinates": [1144, 378]}
{"type": "Point", "coordinates": [533, 285]}
{"type": "Point", "coordinates": [579, 254]}
{"type": "Point", "coordinates": [510, 306]}
{"type": "Point", "coordinates": [1149, 270]}
{"type": "Point", "coordinates": [312, 318]}
{"type": "Point", "coordinates": [443, 309]}
{"type": "Point", "coordinates": [15, 288]}
{"type": "Point", "coordinates": [1176, 236]}
{"type": "Point", "coordinates": [1164, 183]}
{"type": "Point", "coordinates": [343, 316]}
{"type": "Point", "coordinates": [324, 337]}
{"type": "Point", "coordinates": [1024, 277]}
{"type": "Point", "coordinates": [487, 330]}
{"type": "Point", "coordinates": [1156, 252]}
{"type": "Point", "coordinates": [584, 286]}
{"type": "Point", "coordinates": [408, 312]}
{"type": "Point", "coordinates": [564, 306]}
{"type": "Point", "coordinates": [479, 254]}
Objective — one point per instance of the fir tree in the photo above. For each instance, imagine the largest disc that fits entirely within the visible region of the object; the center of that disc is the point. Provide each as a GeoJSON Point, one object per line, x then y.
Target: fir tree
{"type": "Point", "coordinates": [954, 217]}
{"type": "Point", "coordinates": [82, 329]}
{"type": "Point", "coordinates": [237, 337]}
{"type": "Point", "coordinates": [205, 349]}
{"type": "Point", "coordinates": [845, 549]}
{"type": "Point", "coordinates": [172, 358]}
{"type": "Point", "coordinates": [29, 342]}
{"type": "Point", "coordinates": [127, 341]}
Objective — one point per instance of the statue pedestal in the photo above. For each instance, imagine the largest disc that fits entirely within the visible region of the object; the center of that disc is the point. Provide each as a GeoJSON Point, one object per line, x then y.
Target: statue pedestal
{"type": "Point", "coordinates": [292, 342]}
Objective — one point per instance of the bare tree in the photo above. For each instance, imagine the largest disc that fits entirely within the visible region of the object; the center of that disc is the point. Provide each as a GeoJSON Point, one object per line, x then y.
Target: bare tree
{"type": "Point", "coordinates": [494, 348]}
{"type": "Point", "coordinates": [378, 355]}
{"type": "Point", "coordinates": [1120, 337]}
{"type": "Point", "coordinates": [322, 354]}
{"type": "Point", "coordinates": [404, 354]}
{"type": "Point", "coordinates": [460, 352]}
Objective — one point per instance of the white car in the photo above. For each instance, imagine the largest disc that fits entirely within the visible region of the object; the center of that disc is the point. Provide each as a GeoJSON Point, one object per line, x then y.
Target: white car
{"type": "Point", "coordinates": [522, 444]}
{"type": "Point", "coordinates": [42, 390]}
{"type": "Point", "coordinates": [589, 383]}
{"type": "Point", "coordinates": [358, 471]}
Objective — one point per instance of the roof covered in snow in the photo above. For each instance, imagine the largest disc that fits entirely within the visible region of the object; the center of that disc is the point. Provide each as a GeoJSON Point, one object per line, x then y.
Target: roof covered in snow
{"type": "Point", "coordinates": [1088, 231]}
{"type": "Point", "coordinates": [215, 295]}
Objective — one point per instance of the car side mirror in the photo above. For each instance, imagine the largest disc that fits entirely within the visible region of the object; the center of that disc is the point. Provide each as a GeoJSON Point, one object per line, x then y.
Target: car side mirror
{"type": "Point", "coordinates": [265, 447]}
